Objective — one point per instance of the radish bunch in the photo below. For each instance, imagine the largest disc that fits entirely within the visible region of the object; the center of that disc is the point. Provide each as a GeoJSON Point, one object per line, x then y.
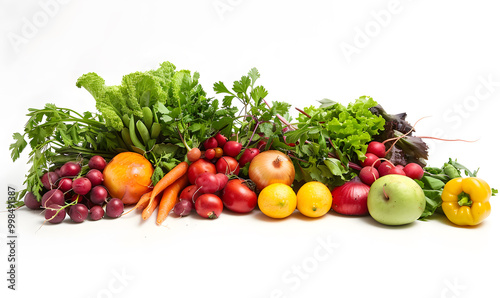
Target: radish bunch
{"type": "Point", "coordinates": [375, 165]}
{"type": "Point", "coordinates": [73, 191]}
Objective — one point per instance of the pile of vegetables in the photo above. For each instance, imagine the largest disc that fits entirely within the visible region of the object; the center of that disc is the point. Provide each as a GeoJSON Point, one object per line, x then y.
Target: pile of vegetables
{"type": "Point", "coordinates": [170, 147]}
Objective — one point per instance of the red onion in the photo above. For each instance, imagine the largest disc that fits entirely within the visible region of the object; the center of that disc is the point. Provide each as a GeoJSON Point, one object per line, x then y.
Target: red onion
{"type": "Point", "coordinates": [350, 198]}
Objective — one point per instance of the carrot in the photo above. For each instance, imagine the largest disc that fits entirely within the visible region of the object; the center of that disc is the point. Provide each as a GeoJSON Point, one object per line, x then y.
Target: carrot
{"type": "Point", "coordinates": [142, 202]}
{"type": "Point", "coordinates": [148, 211]}
{"type": "Point", "coordinates": [169, 198]}
{"type": "Point", "coordinates": [174, 174]}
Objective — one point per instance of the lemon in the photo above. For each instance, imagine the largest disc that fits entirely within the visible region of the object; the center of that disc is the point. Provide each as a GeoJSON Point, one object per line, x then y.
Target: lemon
{"type": "Point", "coordinates": [314, 199]}
{"type": "Point", "coordinates": [277, 200]}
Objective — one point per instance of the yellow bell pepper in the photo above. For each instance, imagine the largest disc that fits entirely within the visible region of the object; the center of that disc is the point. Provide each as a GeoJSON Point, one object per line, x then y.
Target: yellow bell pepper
{"type": "Point", "coordinates": [466, 200]}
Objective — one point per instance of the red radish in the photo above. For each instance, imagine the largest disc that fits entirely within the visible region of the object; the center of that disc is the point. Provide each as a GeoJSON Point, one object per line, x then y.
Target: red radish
{"type": "Point", "coordinates": [261, 145]}
{"type": "Point", "coordinates": [82, 186]}
{"type": "Point", "coordinates": [58, 172]}
{"type": "Point", "coordinates": [248, 155]}
{"type": "Point", "coordinates": [397, 170]}
{"type": "Point", "coordinates": [55, 213]}
{"type": "Point", "coordinates": [190, 193]}
{"type": "Point", "coordinates": [70, 169]}
{"type": "Point", "coordinates": [371, 159]}
{"type": "Point", "coordinates": [76, 197]}
{"type": "Point", "coordinates": [210, 143]}
{"type": "Point", "coordinates": [210, 154]}
{"type": "Point", "coordinates": [198, 167]}
{"type": "Point", "coordinates": [285, 130]}
{"type": "Point", "coordinates": [368, 175]}
{"type": "Point", "coordinates": [96, 212]}
{"type": "Point", "coordinates": [53, 196]}
{"type": "Point", "coordinates": [97, 162]}
{"type": "Point", "coordinates": [221, 140]}
{"type": "Point", "coordinates": [98, 195]}
{"type": "Point", "coordinates": [87, 202]}
{"type": "Point", "coordinates": [232, 148]}
{"type": "Point", "coordinates": [114, 208]}
{"type": "Point", "coordinates": [65, 184]}
{"type": "Point", "coordinates": [384, 168]}
{"type": "Point", "coordinates": [227, 165]}
{"type": "Point", "coordinates": [207, 182]}
{"type": "Point", "coordinates": [78, 213]}
{"type": "Point", "coordinates": [193, 154]}
{"type": "Point", "coordinates": [49, 180]}
{"type": "Point", "coordinates": [209, 206]}
{"type": "Point", "coordinates": [223, 179]}
{"type": "Point", "coordinates": [31, 202]}
{"type": "Point", "coordinates": [95, 176]}
{"type": "Point", "coordinates": [414, 171]}
{"type": "Point", "coordinates": [183, 208]}
{"type": "Point", "coordinates": [376, 148]}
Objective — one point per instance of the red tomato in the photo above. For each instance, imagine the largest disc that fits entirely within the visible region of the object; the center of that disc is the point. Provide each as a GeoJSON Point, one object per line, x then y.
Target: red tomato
{"type": "Point", "coordinates": [209, 206]}
{"type": "Point", "coordinates": [237, 197]}
{"type": "Point", "coordinates": [198, 167]}
{"type": "Point", "coordinates": [227, 165]}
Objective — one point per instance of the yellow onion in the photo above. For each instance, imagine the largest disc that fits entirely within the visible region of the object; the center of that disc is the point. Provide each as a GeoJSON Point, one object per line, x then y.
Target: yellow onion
{"type": "Point", "coordinates": [271, 167]}
{"type": "Point", "coordinates": [128, 176]}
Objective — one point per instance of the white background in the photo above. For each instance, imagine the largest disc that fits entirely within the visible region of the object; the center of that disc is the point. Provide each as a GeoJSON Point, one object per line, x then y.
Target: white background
{"type": "Point", "coordinates": [420, 57]}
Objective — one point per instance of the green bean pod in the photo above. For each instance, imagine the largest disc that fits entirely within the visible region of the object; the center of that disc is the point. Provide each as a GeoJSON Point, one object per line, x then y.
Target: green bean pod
{"type": "Point", "coordinates": [126, 136]}
{"type": "Point", "coordinates": [126, 120]}
{"type": "Point", "coordinates": [155, 130]}
{"type": "Point", "coordinates": [147, 116]}
{"type": "Point", "coordinates": [135, 140]}
{"type": "Point", "coordinates": [143, 131]}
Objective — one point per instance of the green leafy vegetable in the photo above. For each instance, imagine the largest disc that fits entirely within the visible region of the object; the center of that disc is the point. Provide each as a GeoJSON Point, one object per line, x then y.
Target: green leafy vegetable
{"type": "Point", "coordinates": [407, 149]}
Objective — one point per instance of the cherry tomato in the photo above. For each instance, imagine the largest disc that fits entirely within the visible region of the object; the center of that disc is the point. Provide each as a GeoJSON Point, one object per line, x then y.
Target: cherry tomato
{"type": "Point", "coordinates": [210, 154]}
{"type": "Point", "coordinates": [219, 152]}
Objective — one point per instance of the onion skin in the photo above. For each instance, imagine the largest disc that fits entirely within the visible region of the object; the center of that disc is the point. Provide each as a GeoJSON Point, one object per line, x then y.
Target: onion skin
{"type": "Point", "coordinates": [270, 167]}
{"type": "Point", "coordinates": [128, 176]}
{"type": "Point", "coordinates": [351, 198]}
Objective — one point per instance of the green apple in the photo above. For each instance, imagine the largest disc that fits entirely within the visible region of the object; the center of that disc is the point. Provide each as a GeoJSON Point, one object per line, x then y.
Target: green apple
{"type": "Point", "coordinates": [395, 200]}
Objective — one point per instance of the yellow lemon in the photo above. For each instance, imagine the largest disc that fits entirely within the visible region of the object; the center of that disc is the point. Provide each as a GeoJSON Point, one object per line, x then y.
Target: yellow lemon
{"type": "Point", "coordinates": [314, 199]}
{"type": "Point", "coordinates": [277, 200]}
